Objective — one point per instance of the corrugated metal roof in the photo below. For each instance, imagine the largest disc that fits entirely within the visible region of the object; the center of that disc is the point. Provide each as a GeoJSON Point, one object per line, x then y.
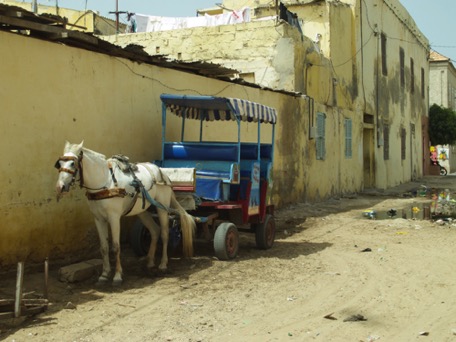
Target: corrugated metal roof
{"type": "Point", "coordinates": [51, 28]}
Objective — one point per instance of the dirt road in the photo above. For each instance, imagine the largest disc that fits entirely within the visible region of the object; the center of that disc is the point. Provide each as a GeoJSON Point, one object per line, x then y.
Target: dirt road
{"type": "Point", "coordinates": [332, 275]}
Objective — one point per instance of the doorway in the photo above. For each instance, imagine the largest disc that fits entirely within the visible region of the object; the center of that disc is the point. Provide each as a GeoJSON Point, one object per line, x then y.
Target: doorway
{"type": "Point", "coordinates": [368, 158]}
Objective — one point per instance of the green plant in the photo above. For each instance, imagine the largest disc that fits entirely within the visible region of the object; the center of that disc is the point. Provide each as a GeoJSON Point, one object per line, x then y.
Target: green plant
{"type": "Point", "coordinates": [442, 125]}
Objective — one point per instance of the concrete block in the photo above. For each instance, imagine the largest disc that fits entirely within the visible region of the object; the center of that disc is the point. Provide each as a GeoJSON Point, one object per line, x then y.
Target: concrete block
{"type": "Point", "coordinates": [80, 271]}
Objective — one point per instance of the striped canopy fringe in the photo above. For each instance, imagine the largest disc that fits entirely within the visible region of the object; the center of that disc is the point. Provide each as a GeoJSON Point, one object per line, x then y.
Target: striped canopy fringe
{"type": "Point", "coordinates": [244, 110]}
{"type": "Point", "coordinates": [252, 111]}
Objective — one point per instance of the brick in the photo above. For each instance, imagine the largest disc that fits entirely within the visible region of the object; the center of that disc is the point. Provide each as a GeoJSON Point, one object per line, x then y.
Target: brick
{"type": "Point", "coordinates": [80, 271]}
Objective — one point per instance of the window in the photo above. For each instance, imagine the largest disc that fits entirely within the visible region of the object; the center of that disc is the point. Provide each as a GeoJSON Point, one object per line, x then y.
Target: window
{"type": "Point", "coordinates": [384, 65]}
{"type": "Point", "coordinates": [386, 142]}
{"type": "Point", "coordinates": [320, 141]}
{"type": "Point", "coordinates": [348, 138]}
{"type": "Point", "coordinates": [402, 66]}
{"type": "Point", "coordinates": [412, 76]}
{"type": "Point", "coordinates": [423, 85]}
{"type": "Point", "coordinates": [368, 118]}
{"type": "Point", "coordinates": [403, 140]}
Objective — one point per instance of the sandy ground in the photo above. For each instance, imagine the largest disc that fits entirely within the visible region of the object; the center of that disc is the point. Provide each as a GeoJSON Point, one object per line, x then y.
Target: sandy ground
{"type": "Point", "coordinates": [332, 275]}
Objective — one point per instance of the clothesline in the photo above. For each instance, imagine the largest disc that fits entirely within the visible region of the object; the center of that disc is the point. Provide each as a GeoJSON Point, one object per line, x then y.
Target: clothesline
{"type": "Point", "coordinates": [148, 23]}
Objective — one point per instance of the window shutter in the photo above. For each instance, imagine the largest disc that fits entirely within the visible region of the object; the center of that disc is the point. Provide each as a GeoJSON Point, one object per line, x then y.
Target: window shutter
{"type": "Point", "coordinates": [320, 141]}
{"type": "Point", "coordinates": [348, 138]}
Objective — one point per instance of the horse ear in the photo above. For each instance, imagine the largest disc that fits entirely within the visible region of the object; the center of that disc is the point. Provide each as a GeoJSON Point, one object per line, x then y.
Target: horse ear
{"type": "Point", "coordinates": [67, 146]}
{"type": "Point", "coordinates": [80, 145]}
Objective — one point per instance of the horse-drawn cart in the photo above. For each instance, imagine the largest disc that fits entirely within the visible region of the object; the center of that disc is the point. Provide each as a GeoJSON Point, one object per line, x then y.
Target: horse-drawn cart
{"type": "Point", "coordinates": [225, 185]}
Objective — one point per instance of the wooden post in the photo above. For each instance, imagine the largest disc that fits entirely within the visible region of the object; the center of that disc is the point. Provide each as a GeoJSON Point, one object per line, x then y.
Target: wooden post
{"type": "Point", "coordinates": [19, 282]}
{"type": "Point", "coordinates": [117, 12]}
{"type": "Point", "coordinates": [277, 10]}
{"type": "Point", "coordinates": [46, 274]}
{"type": "Point", "coordinates": [117, 16]}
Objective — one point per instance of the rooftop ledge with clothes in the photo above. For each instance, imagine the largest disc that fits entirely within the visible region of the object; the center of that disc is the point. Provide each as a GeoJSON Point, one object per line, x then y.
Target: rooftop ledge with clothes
{"type": "Point", "coordinates": [148, 23]}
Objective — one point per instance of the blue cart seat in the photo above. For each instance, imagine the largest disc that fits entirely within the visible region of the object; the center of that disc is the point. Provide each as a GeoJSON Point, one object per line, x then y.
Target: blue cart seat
{"type": "Point", "coordinates": [201, 151]}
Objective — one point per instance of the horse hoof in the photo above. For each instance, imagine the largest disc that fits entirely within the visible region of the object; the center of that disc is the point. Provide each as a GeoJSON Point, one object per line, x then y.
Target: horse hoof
{"type": "Point", "coordinates": [163, 271]}
{"type": "Point", "coordinates": [102, 281]}
{"type": "Point", "coordinates": [151, 272]}
{"type": "Point", "coordinates": [117, 282]}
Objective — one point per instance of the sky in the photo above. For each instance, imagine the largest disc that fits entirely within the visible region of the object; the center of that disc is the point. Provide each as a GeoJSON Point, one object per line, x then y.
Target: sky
{"type": "Point", "coordinates": [435, 18]}
{"type": "Point", "coordinates": [166, 8]}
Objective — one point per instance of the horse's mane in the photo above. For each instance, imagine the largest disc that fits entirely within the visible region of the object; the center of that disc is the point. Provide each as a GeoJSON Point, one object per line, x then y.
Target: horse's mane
{"type": "Point", "coordinates": [93, 154]}
{"type": "Point", "coordinates": [74, 148]}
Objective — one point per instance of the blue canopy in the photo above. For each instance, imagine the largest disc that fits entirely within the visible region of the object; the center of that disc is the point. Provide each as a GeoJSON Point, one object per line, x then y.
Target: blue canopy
{"type": "Point", "coordinates": [212, 108]}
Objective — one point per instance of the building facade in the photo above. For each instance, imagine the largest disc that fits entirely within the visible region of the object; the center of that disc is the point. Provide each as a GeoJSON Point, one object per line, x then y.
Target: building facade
{"type": "Point", "coordinates": [343, 102]}
{"type": "Point", "coordinates": [363, 64]}
{"type": "Point", "coordinates": [442, 91]}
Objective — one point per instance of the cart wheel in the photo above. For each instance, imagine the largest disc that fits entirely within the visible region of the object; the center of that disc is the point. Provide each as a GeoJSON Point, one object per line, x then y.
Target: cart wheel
{"type": "Point", "coordinates": [226, 241]}
{"type": "Point", "coordinates": [140, 238]}
{"type": "Point", "coordinates": [443, 171]}
{"type": "Point", "coordinates": [265, 232]}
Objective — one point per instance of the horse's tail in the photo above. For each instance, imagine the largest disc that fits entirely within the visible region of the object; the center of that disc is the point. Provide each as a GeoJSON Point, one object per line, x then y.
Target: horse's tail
{"type": "Point", "coordinates": [188, 227]}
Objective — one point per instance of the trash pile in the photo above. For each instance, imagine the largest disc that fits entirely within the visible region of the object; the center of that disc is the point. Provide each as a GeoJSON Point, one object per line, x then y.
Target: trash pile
{"type": "Point", "coordinates": [441, 208]}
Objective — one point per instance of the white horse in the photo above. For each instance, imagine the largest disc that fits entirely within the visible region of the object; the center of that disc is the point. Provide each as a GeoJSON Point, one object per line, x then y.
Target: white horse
{"type": "Point", "coordinates": [113, 189]}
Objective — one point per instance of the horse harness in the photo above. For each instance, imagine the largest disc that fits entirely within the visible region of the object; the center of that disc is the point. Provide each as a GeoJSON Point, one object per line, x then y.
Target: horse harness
{"type": "Point", "coordinates": [123, 163]}
{"type": "Point", "coordinates": [125, 166]}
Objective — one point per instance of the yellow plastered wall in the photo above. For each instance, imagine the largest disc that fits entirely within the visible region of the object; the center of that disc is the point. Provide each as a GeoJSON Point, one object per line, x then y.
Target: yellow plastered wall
{"type": "Point", "coordinates": [52, 93]}
{"type": "Point", "coordinates": [351, 33]}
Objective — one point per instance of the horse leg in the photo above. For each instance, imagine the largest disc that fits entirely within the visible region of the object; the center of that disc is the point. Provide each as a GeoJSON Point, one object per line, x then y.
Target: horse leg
{"type": "Point", "coordinates": [149, 222]}
{"type": "Point", "coordinates": [164, 224]}
{"type": "Point", "coordinates": [114, 222]}
{"type": "Point", "coordinates": [102, 228]}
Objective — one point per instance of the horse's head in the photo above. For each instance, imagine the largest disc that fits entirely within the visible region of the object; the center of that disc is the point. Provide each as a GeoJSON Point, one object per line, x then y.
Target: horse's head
{"type": "Point", "coordinates": [68, 166]}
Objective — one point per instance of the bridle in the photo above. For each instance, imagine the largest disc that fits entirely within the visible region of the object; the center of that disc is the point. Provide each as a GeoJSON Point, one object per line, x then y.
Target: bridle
{"type": "Point", "coordinates": [77, 166]}
{"type": "Point", "coordinates": [77, 162]}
